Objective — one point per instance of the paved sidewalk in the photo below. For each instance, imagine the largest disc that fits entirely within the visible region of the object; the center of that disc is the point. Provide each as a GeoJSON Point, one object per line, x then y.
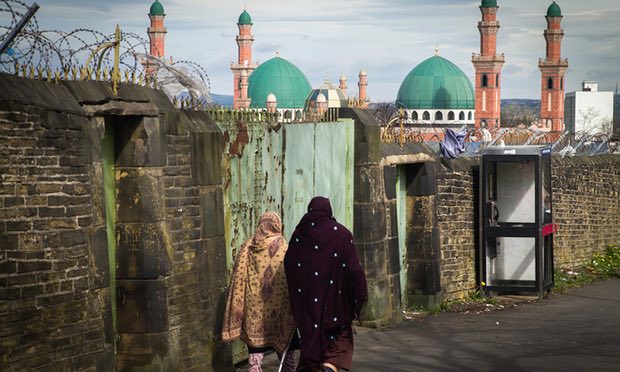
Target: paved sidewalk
{"type": "Point", "coordinates": [579, 331]}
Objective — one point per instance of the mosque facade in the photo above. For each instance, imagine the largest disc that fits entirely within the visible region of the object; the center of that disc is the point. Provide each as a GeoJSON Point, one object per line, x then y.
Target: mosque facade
{"type": "Point", "coordinates": [436, 93]}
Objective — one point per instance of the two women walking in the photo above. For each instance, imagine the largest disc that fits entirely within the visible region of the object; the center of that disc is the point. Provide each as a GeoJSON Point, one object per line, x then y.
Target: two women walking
{"type": "Point", "coordinates": [315, 285]}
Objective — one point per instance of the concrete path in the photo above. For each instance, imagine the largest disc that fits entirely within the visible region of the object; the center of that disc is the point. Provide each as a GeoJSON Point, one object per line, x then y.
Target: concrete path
{"type": "Point", "coordinates": [579, 331]}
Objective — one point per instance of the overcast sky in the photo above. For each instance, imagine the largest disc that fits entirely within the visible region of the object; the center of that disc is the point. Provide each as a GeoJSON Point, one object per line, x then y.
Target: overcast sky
{"type": "Point", "coordinates": [387, 38]}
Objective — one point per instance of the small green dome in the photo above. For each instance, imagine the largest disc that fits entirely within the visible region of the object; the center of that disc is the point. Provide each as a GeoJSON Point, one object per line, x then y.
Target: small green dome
{"type": "Point", "coordinates": [489, 3]}
{"type": "Point", "coordinates": [157, 9]}
{"type": "Point", "coordinates": [245, 19]}
{"type": "Point", "coordinates": [436, 84]}
{"type": "Point", "coordinates": [283, 79]}
{"type": "Point", "coordinates": [554, 10]}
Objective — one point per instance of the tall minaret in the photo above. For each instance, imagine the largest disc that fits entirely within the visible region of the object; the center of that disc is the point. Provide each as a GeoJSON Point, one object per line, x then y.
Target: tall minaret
{"type": "Point", "coordinates": [552, 70]}
{"type": "Point", "coordinates": [488, 65]}
{"type": "Point", "coordinates": [157, 35]}
{"type": "Point", "coordinates": [361, 85]}
{"type": "Point", "coordinates": [244, 63]}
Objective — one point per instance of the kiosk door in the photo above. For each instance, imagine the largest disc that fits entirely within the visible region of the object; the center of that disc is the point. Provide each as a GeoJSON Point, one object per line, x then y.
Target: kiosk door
{"type": "Point", "coordinates": [512, 258]}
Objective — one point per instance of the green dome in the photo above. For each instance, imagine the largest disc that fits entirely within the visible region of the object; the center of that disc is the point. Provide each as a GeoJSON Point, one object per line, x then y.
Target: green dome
{"type": "Point", "coordinates": [436, 84]}
{"type": "Point", "coordinates": [157, 9]}
{"type": "Point", "coordinates": [489, 3]}
{"type": "Point", "coordinates": [245, 19]}
{"type": "Point", "coordinates": [283, 79]}
{"type": "Point", "coordinates": [554, 10]}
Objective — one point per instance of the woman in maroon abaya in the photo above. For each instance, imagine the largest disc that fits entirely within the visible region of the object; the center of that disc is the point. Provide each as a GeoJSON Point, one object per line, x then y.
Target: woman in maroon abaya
{"type": "Point", "coordinates": [327, 288]}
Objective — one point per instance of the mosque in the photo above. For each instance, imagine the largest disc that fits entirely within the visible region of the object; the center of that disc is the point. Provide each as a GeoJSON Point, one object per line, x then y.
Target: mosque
{"type": "Point", "coordinates": [436, 93]}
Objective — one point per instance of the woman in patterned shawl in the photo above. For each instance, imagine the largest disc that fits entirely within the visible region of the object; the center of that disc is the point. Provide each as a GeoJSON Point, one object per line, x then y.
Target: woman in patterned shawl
{"type": "Point", "coordinates": [258, 309]}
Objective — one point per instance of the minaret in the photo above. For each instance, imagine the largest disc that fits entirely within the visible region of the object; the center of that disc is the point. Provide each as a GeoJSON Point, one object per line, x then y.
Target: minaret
{"type": "Point", "coordinates": [244, 62]}
{"type": "Point", "coordinates": [552, 70]}
{"type": "Point", "coordinates": [362, 84]}
{"type": "Point", "coordinates": [488, 65]}
{"type": "Point", "coordinates": [343, 84]}
{"type": "Point", "coordinates": [157, 35]}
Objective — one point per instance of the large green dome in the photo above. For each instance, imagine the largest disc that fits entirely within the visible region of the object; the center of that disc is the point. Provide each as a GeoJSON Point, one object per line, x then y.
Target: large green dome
{"type": "Point", "coordinates": [436, 84]}
{"type": "Point", "coordinates": [245, 19]}
{"type": "Point", "coordinates": [554, 10]}
{"type": "Point", "coordinates": [157, 9]}
{"type": "Point", "coordinates": [283, 79]}
{"type": "Point", "coordinates": [489, 3]}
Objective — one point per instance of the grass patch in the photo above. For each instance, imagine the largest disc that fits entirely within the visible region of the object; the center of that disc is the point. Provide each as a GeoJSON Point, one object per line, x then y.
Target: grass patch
{"type": "Point", "coordinates": [602, 266]}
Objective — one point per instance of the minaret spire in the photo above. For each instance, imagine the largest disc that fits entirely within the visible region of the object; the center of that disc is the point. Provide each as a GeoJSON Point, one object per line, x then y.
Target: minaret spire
{"type": "Point", "coordinates": [552, 70]}
{"type": "Point", "coordinates": [244, 66]}
{"type": "Point", "coordinates": [488, 65]}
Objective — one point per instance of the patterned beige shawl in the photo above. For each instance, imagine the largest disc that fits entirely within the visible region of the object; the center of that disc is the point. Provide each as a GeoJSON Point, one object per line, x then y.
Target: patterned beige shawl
{"type": "Point", "coordinates": [258, 309]}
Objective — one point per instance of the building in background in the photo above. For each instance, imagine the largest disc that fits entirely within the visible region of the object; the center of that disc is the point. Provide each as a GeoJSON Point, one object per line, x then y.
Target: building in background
{"type": "Point", "coordinates": [157, 36]}
{"type": "Point", "coordinates": [589, 110]}
{"type": "Point", "coordinates": [438, 94]}
{"type": "Point", "coordinates": [552, 70]}
{"type": "Point", "coordinates": [488, 65]}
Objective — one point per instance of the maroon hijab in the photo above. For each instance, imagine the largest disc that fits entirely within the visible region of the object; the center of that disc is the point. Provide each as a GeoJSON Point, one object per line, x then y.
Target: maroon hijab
{"type": "Point", "coordinates": [326, 282]}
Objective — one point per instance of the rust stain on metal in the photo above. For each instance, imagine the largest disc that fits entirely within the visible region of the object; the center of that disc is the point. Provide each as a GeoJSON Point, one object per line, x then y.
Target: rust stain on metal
{"type": "Point", "coordinates": [242, 139]}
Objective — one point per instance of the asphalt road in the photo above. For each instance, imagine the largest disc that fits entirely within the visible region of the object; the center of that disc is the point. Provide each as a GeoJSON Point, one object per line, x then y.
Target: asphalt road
{"type": "Point", "coordinates": [579, 331]}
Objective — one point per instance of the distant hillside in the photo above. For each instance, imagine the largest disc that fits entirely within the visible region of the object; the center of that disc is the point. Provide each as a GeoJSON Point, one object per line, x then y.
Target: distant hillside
{"type": "Point", "coordinates": [532, 103]}
{"type": "Point", "coordinates": [222, 100]}
{"type": "Point", "coordinates": [218, 99]}
{"type": "Point", "coordinates": [517, 111]}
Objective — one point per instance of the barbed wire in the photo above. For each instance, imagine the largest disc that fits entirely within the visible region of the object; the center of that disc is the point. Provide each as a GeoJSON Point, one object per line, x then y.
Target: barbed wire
{"type": "Point", "coordinates": [59, 50]}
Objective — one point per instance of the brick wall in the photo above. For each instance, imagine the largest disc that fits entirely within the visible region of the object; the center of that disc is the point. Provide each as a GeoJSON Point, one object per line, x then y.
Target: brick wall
{"type": "Point", "coordinates": [586, 206]}
{"type": "Point", "coordinates": [456, 215]}
{"type": "Point", "coordinates": [194, 214]}
{"type": "Point", "coordinates": [54, 283]}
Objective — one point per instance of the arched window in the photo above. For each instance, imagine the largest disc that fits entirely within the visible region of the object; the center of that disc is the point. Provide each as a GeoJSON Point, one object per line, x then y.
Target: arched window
{"type": "Point", "coordinates": [406, 115]}
{"type": "Point", "coordinates": [549, 122]}
{"type": "Point", "coordinates": [497, 80]}
{"type": "Point", "coordinates": [414, 115]}
{"type": "Point", "coordinates": [550, 83]}
{"type": "Point", "coordinates": [462, 116]}
{"type": "Point", "coordinates": [438, 115]}
{"type": "Point", "coordinates": [485, 80]}
{"type": "Point", "coordinates": [288, 115]}
{"type": "Point", "coordinates": [426, 115]}
{"type": "Point", "coordinates": [469, 117]}
{"type": "Point", "coordinates": [562, 83]}
{"type": "Point", "coordinates": [298, 115]}
{"type": "Point", "coordinates": [451, 115]}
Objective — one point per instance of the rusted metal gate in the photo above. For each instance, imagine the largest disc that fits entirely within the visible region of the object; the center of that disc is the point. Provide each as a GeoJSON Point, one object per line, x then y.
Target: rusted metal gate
{"type": "Point", "coordinates": [280, 167]}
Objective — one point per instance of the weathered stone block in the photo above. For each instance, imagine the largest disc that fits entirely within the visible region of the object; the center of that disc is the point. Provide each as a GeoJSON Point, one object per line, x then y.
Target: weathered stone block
{"type": "Point", "coordinates": [389, 177]}
{"type": "Point", "coordinates": [207, 148]}
{"type": "Point", "coordinates": [147, 352]}
{"type": "Point", "coordinates": [92, 136]}
{"type": "Point", "coordinates": [421, 179]}
{"type": "Point", "coordinates": [368, 181]}
{"type": "Point", "coordinates": [143, 250]}
{"type": "Point", "coordinates": [211, 263]}
{"type": "Point", "coordinates": [212, 211]}
{"type": "Point", "coordinates": [141, 306]}
{"type": "Point", "coordinates": [139, 141]}
{"type": "Point", "coordinates": [97, 245]}
{"type": "Point", "coordinates": [374, 259]}
{"type": "Point", "coordinates": [369, 222]}
{"type": "Point", "coordinates": [139, 195]}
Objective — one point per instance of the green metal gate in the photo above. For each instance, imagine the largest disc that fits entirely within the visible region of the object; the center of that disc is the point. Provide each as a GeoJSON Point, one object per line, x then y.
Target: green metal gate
{"type": "Point", "coordinates": [280, 168]}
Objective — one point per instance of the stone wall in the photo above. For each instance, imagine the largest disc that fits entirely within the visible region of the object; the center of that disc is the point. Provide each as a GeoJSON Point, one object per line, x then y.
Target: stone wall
{"type": "Point", "coordinates": [56, 304]}
{"type": "Point", "coordinates": [586, 206]}
{"type": "Point", "coordinates": [456, 218]}
{"type": "Point", "coordinates": [54, 277]}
